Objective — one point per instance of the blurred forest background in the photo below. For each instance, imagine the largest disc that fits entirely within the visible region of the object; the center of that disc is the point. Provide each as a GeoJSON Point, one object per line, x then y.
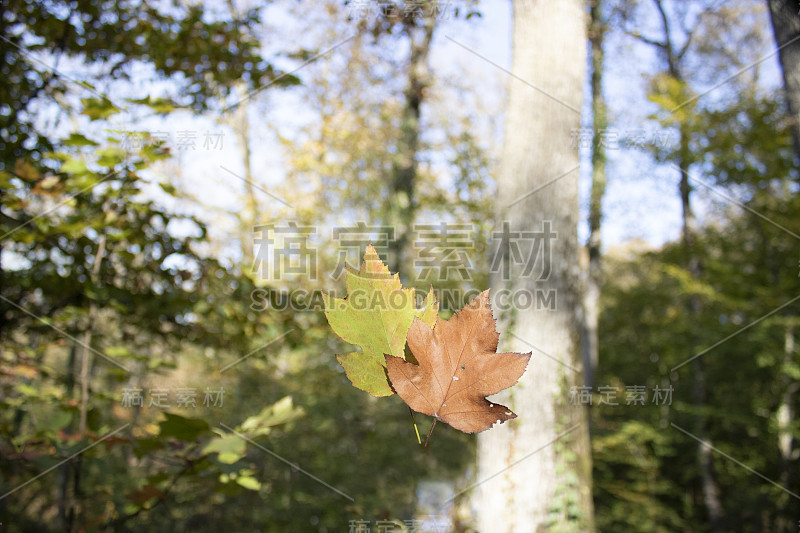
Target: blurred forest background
{"type": "Point", "coordinates": [157, 376]}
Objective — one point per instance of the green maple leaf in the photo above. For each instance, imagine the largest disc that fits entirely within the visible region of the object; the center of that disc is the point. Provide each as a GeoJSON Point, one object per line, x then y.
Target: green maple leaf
{"type": "Point", "coordinates": [376, 316]}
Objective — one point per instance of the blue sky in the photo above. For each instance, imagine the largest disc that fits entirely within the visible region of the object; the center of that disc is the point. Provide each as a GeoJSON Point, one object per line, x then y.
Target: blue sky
{"type": "Point", "coordinates": [641, 200]}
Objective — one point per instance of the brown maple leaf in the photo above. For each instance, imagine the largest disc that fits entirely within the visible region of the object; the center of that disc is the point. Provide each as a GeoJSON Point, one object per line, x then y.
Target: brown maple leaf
{"type": "Point", "coordinates": [458, 367]}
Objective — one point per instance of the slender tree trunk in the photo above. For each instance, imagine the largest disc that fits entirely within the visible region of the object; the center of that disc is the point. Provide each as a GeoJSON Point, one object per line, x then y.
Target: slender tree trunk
{"type": "Point", "coordinates": [705, 460]}
{"type": "Point", "coordinates": [402, 195]}
{"type": "Point", "coordinates": [530, 472]}
{"type": "Point", "coordinates": [65, 469]}
{"type": "Point", "coordinates": [3, 304]}
{"type": "Point", "coordinates": [69, 510]}
{"type": "Point", "coordinates": [785, 15]}
{"type": "Point", "coordinates": [786, 417]}
{"type": "Point", "coordinates": [591, 298]}
{"type": "Point", "coordinates": [240, 124]}
{"type": "Point", "coordinates": [248, 218]}
{"type": "Point", "coordinates": [87, 337]}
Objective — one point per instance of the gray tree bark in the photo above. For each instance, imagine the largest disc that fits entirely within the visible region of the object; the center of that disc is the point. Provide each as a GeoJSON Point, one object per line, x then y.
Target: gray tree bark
{"type": "Point", "coordinates": [591, 298]}
{"type": "Point", "coordinates": [535, 472]}
{"type": "Point", "coordinates": [403, 204]}
{"type": "Point", "coordinates": [785, 15]}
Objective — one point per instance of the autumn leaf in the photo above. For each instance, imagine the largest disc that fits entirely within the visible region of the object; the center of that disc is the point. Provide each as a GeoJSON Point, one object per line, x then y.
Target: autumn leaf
{"type": "Point", "coordinates": [458, 367]}
{"type": "Point", "coordinates": [376, 316]}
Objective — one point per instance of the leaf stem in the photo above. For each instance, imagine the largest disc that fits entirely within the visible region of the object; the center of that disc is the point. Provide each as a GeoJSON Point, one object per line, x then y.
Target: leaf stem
{"type": "Point", "coordinates": [419, 440]}
{"type": "Point", "coordinates": [430, 431]}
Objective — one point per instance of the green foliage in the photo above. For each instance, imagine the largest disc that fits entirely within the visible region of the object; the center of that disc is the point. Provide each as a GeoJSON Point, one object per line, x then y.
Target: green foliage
{"type": "Point", "coordinates": [645, 471]}
{"type": "Point", "coordinates": [204, 55]}
{"type": "Point", "coordinates": [88, 253]}
{"type": "Point", "coordinates": [89, 257]}
{"type": "Point", "coordinates": [167, 313]}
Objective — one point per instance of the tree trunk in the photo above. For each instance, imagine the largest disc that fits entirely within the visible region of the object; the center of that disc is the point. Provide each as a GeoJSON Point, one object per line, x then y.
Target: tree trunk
{"type": "Point", "coordinates": [240, 124]}
{"type": "Point", "coordinates": [785, 15]}
{"type": "Point", "coordinates": [247, 220]}
{"type": "Point", "coordinates": [402, 198]}
{"type": "Point", "coordinates": [786, 417]}
{"type": "Point", "coordinates": [591, 297]}
{"type": "Point", "coordinates": [540, 476]}
{"type": "Point", "coordinates": [705, 460]}
{"type": "Point", "coordinates": [75, 506]}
